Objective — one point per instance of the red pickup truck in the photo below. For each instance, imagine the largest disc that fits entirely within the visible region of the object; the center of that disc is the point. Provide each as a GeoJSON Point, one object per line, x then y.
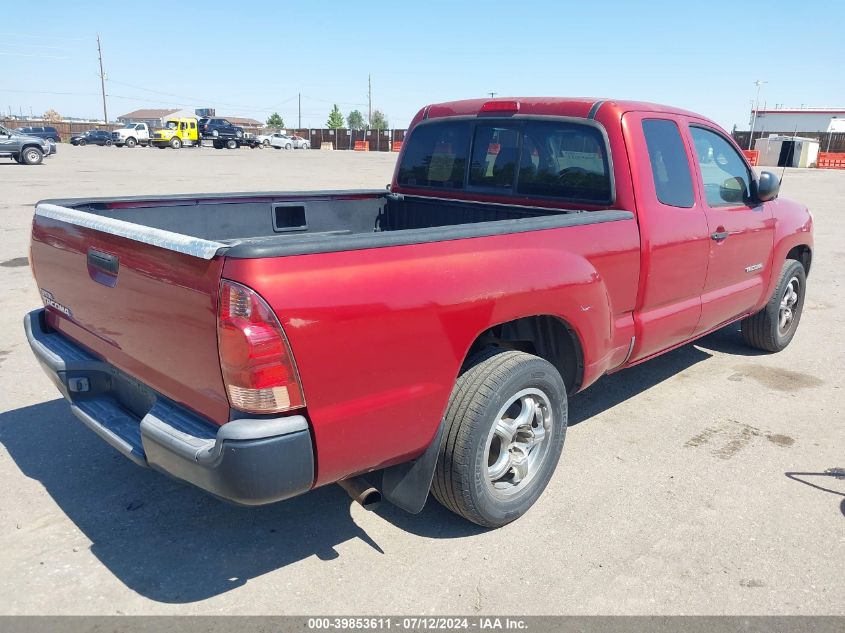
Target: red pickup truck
{"type": "Point", "coordinates": [258, 345]}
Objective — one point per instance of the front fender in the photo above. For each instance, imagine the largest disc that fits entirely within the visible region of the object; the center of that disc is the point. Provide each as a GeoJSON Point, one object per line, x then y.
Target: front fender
{"type": "Point", "coordinates": [793, 227]}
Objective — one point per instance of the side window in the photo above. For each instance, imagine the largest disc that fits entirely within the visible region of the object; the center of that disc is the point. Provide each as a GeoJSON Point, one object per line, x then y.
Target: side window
{"type": "Point", "coordinates": [436, 156]}
{"type": "Point", "coordinates": [564, 160]}
{"type": "Point", "coordinates": [669, 163]}
{"type": "Point", "coordinates": [724, 174]}
{"type": "Point", "coordinates": [495, 154]}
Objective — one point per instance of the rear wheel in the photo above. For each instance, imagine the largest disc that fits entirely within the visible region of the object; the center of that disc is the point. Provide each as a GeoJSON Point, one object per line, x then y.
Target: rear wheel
{"type": "Point", "coordinates": [31, 156]}
{"type": "Point", "coordinates": [266, 142]}
{"type": "Point", "coordinates": [231, 144]}
{"type": "Point", "coordinates": [288, 146]}
{"type": "Point", "coordinates": [505, 427]}
{"type": "Point", "coordinates": [108, 143]}
{"type": "Point", "coordinates": [773, 327]}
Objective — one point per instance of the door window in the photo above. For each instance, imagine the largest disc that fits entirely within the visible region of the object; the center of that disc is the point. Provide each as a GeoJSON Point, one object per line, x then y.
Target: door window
{"type": "Point", "coordinates": [726, 178]}
{"type": "Point", "coordinates": [669, 163]}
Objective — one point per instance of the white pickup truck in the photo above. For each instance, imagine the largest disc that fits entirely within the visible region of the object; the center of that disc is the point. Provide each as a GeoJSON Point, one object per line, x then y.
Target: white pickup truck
{"type": "Point", "coordinates": [131, 134]}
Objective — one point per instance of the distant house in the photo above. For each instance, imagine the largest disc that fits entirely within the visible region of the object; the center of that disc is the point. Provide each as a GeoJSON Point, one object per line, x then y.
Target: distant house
{"type": "Point", "coordinates": [151, 117]}
{"type": "Point", "coordinates": [250, 125]}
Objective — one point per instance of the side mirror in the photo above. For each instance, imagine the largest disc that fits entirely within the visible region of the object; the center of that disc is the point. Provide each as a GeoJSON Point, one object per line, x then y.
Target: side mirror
{"type": "Point", "coordinates": [768, 186]}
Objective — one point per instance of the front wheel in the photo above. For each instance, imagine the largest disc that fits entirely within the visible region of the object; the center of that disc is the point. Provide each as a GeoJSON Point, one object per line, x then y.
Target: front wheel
{"type": "Point", "coordinates": [231, 144]}
{"type": "Point", "coordinates": [773, 327]}
{"type": "Point", "coordinates": [83, 143]}
{"type": "Point", "coordinates": [32, 156]}
{"type": "Point", "coordinates": [176, 142]}
{"type": "Point", "coordinates": [131, 142]}
{"type": "Point", "coordinates": [504, 430]}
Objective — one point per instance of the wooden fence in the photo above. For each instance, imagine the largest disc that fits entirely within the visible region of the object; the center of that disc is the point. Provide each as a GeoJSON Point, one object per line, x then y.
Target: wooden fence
{"type": "Point", "coordinates": [66, 128]}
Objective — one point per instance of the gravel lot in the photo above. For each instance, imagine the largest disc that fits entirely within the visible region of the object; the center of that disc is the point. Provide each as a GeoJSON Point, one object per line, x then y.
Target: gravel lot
{"type": "Point", "coordinates": [708, 481]}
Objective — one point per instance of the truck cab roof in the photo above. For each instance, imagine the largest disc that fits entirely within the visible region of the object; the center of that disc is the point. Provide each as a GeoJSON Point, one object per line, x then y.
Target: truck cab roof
{"type": "Point", "coordinates": [582, 107]}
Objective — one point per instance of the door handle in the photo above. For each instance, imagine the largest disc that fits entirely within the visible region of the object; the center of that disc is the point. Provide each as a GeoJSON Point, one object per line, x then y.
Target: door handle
{"type": "Point", "coordinates": [103, 267]}
{"type": "Point", "coordinates": [719, 236]}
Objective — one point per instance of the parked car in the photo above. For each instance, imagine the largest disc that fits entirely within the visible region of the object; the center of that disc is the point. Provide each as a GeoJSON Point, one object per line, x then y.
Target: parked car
{"type": "Point", "coordinates": [299, 142]}
{"type": "Point", "coordinates": [432, 333]}
{"type": "Point", "coordinates": [288, 141]}
{"type": "Point", "coordinates": [176, 133]}
{"type": "Point", "coordinates": [92, 137]}
{"type": "Point", "coordinates": [265, 139]}
{"type": "Point", "coordinates": [46, 132]}
{"type": "Point", "coordinates": [131, 134]}
{"type": "Point", "coordinates": [222, 132]}
{"type": "Point", "coordinates": [23, 148]}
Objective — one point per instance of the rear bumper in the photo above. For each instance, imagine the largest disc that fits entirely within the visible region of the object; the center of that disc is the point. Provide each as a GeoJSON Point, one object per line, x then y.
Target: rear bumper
{"type": "Point", "coordinates": [247, 461]}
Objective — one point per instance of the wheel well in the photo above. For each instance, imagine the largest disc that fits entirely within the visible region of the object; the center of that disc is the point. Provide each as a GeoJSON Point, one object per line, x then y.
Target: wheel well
{"type": "Point", "coordinates": [545, 336]}
{"type": "Point", "coordinates": [803, 254]}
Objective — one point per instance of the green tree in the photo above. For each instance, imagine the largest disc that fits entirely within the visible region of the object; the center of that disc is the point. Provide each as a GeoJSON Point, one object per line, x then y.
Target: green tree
{"type": "Point", "coordinates": [355, 120]}
{"type": "Point", "coordinates": [275, 121]}
{"type": "Point", "coordinates": [378, 120]}
{"type": "Point", "coordinates": [335, 121]}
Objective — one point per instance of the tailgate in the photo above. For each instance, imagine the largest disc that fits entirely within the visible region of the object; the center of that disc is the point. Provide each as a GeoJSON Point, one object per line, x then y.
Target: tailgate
{"type": "Point", "coordinates": [144, 300]}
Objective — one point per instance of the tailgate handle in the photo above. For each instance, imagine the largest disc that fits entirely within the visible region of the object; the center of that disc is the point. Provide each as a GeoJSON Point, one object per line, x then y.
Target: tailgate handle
{"type": "Point", "coordinates": [103, 267]}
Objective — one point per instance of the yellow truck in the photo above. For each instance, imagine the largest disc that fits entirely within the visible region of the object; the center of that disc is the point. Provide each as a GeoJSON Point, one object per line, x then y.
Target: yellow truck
{"type": "Point", "coordinates": [177, 132]}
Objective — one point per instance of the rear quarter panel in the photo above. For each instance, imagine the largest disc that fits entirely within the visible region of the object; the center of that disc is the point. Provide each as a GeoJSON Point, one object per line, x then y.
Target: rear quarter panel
{"type": "Point", "coordinates": [379, 335]}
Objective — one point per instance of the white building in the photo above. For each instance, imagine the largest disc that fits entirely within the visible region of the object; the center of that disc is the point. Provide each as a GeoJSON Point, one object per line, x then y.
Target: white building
{"type": "Point", "coordinates": [798, 120]}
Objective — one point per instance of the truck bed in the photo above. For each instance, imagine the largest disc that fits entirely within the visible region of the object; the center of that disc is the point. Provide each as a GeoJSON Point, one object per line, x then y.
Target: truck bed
{"type": "Point", "coordinates": [249, 225]}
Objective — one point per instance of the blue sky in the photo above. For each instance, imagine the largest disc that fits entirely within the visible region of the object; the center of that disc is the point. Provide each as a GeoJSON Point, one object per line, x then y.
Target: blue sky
{"type": "Point", "coordinates": [252, 58]}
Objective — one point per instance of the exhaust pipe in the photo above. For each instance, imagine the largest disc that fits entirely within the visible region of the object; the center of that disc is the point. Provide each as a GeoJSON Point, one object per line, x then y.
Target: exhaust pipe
{"type": "Point", "coordinates": [362, 492]}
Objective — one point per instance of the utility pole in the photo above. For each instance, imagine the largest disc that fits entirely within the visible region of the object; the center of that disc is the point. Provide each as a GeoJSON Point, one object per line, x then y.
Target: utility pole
{"type": "Point", "coordinates": [102, 80]}
{"type": "Point", "coordinates": [759, 85]}
{"type": "Point", "coordinates": [369, 99]}
{"type": "Point", "coordinates": [299, 116]}
{"type": "Point", "coordinates": [492, 94]}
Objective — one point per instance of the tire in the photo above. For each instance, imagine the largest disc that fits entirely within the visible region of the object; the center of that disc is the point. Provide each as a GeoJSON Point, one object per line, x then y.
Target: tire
{"type": "Point", "coordinates": [130, 142]}
{"type": "Point", "coordinates": [239, 134]}
{"type": "Point", "coordinates": [305, 146]}
{"type": "Point", "coordinates": [288, 146]}
{"type": "Point", "coordinates": [477, 476]}
{"type": "Point", "coordinates": [231, 144]}
{"type": "Point", "coordinates": [764, 330]}
{"type": "Point", "coordinates": [82, 143]}
{"type": "Point", "coordinates": [215, 133]}
{"type": "Point", "coordinates": [31, 156]}
{"type": "Point", "coordinates": [176, 142]}
{"type": "Point", "coordinates": [108, 143]}
{"type": "Point", "coordinates": [266, 142]}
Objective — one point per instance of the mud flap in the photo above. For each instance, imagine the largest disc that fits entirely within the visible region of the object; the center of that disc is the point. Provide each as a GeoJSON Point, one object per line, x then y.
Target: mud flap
{"type": "Point", "coordinates": [407, 485]}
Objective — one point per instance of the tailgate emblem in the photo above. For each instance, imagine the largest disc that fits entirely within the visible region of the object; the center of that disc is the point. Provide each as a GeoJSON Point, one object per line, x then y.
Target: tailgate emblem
{"type": "Point", "coordinates": [50, 302]}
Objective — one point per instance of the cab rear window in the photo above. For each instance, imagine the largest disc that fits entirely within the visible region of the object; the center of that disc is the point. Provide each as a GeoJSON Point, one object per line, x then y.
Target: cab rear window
{"type": "Point", "coordinates": [520, 158]}
{"type": "Point", "coordinates": [436, 156]}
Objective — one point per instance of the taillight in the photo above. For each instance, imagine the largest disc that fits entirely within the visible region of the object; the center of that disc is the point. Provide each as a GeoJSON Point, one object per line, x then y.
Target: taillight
{"type": "Point", "coordinates": [258, 367]}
